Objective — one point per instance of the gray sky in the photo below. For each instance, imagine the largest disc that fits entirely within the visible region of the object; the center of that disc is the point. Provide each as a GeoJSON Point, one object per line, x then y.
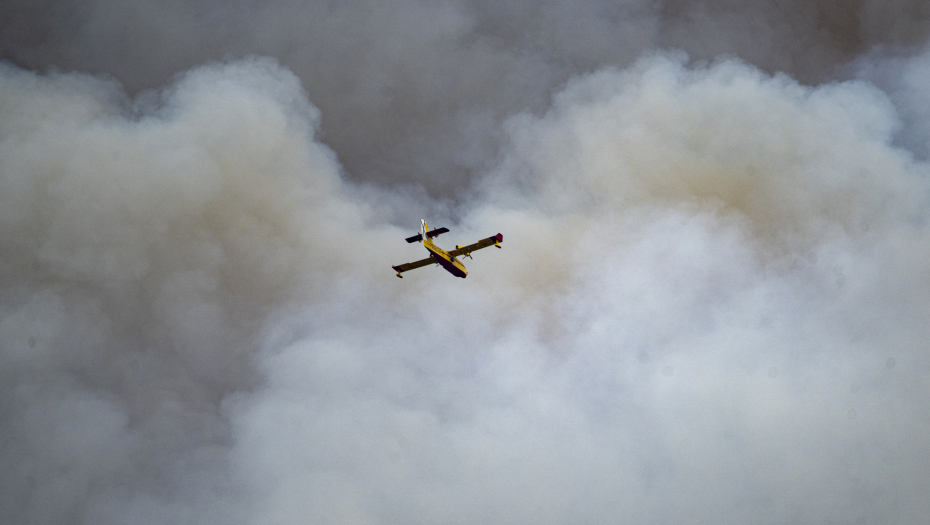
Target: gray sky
{"type": "Point", "coordinates": [711, 305]}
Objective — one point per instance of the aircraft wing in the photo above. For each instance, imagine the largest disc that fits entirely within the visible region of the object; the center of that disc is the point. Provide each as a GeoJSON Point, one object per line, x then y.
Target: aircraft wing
{"type": "Point", "coordinates": [493, 240]}
{"type": "Point", "coordinates": [400, 268]}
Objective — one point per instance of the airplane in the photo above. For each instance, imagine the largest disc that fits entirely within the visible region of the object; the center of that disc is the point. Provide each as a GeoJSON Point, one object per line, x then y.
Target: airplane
{"type": "Point", "coordinates": [441, 257]}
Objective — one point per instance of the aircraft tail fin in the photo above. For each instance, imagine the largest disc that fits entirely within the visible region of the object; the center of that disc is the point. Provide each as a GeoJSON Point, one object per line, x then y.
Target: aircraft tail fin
{"type": "Point", "coordinates": [426, 233]}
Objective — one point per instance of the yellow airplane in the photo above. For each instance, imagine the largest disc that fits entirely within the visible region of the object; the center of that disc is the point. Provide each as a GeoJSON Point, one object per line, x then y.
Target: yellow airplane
{"type": "Point", "coordinates": [439, 256]}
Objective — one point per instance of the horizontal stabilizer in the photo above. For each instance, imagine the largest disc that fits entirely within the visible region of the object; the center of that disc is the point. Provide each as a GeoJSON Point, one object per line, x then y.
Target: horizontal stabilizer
{"type": "Point", "coordinates": [432, 233]}
{"type": "Point", "coordinates": [436, 232]}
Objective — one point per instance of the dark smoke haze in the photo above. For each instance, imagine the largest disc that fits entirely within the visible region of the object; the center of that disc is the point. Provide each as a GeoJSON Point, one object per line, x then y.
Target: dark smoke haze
{"type": "Point", "coordinates": [414, 91]}
{"type": "Point", "coordinates": [711, 307]}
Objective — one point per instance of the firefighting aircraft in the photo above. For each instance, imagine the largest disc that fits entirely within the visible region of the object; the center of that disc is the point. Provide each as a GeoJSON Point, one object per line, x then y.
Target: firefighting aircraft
{"type": "Point", "coordinates": [439, 256]}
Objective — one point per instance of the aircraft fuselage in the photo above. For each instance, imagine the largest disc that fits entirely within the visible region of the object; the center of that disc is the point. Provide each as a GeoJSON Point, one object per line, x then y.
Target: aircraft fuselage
{"type": "Point", "coordinates": [451, 264]}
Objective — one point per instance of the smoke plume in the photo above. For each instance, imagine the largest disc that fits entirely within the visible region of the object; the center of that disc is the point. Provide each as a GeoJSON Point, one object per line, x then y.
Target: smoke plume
{"type": "Point", "coordinates": [710, 307]}
{"type": "Point", "coordinates": [413, 91]}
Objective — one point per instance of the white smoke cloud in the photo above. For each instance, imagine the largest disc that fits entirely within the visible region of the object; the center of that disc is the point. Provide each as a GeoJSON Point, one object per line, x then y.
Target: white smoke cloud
{"type": "Point", "coordinates": [142, 249]}
{"type": "Point", "coordinates": [710, 307]}
{"type": "Point", "coordinates": [415, 91]}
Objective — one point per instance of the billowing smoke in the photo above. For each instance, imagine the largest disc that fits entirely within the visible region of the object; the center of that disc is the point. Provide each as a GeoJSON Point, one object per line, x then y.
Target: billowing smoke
{"type": "Point", "coordinates": [711, 305]}
{"type": "Point", "coordinates": [414, 91]}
